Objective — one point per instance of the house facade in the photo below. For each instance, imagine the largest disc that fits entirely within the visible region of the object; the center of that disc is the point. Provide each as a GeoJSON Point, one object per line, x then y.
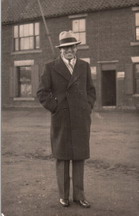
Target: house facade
{"type": "Point", "coordinates": [110, 43]}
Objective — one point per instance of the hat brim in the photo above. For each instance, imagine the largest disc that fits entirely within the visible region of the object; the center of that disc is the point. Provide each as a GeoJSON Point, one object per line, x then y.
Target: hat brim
{"type": "Point", "coordinates": [68, 44]}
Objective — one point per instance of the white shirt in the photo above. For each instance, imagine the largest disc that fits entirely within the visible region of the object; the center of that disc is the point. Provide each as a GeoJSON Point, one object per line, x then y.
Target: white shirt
{"type": "Point", "coordinates": [70, 65]}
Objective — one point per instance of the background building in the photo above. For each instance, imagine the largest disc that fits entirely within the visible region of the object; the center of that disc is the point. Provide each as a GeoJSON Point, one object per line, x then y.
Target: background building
{"type": "Point", "coordinates": [108, 29]}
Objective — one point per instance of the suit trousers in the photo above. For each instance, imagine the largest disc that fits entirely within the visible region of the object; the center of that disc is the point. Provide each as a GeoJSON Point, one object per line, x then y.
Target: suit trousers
{"type": "Point", "coordinates": [63, 178]}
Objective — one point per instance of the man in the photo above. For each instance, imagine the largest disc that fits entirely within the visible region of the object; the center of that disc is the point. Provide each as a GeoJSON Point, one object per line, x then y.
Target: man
{"type": "Point", "coordinates": [66, 90]}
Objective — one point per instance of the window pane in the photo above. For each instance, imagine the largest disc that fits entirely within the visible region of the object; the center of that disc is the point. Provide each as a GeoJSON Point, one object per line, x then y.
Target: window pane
{"type": "Point", "coordinates": [83, 38]}
{"type": "Point", "coordinates": [137, 71]}
{"type": "Point", "coordinates": [77, 36]}
{"type": "Point", "coordinates": [137, 33]}
{"type": "Point", "coordinates": [24, 43]}
{"type": "Point", "coordinates": [31, 43]}
{"type": "Point", "coordinates": [26, 30]}
{"type": "Point", "coordinates": [137, 19]}
{"type": "Point", "coordinates": [137, 86]}
{"type": "Point", "coordinates": [37, 28]}
{"type": "Point", "coordinates": [30, 29]}
{"type": "Point", "coordinates": [137, 78]}
{"type": "Point", "coordinates": [21, 30]}
{"type": "Point", "coordinates": [16, 44]}
{"type": "Point", "coordinates": [75, 25]}
{"type": "Point", "coordinates": [37, 42]}
{"type": "Point", "coordinates": [15, 31]}
{"type": "Point", "coordinates": [25, 88]}
{"type": "Point", "coordinates": [82, 25]}
{"type": "Point", "coordinates": [137, 68]}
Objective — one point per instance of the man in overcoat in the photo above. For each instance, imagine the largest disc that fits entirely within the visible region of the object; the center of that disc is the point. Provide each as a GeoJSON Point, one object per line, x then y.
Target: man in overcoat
{"type": "Point", "coordinates": [66, 89]}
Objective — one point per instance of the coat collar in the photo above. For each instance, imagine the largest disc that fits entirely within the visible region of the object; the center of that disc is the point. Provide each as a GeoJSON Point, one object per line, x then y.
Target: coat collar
{"type": "Point", "coordinates": [61, 68]}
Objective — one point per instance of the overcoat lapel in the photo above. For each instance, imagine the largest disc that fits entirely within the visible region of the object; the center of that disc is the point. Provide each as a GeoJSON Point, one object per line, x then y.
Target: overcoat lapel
{"type": "Point", "coordinates": [75, 74]}
{"type": "Point", "coordinates": [62, 69]}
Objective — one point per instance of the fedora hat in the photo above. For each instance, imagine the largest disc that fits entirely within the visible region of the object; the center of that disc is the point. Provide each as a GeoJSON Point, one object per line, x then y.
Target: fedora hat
{"type": "Point", "coordinates": [67, 38]}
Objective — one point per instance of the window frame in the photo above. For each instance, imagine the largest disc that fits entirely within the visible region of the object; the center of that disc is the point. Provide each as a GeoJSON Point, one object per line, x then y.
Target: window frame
{"type": "Point", "coordinates": [136, 27]}
{"type": "Point", "coordinates": [82, 31]}
{"type": "Point", "coordinates": [18, 68]}
{"type": "Point", "coordinates": [134, 72]}
{"type": "Point", "coordinates": [14, 79]}
{"type": "Point", "coordinates": [18, 38]}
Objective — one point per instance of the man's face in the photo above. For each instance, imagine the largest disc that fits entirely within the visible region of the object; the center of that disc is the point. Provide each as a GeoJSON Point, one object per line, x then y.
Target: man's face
{"type": "Point", "coordinates": [69, 52]}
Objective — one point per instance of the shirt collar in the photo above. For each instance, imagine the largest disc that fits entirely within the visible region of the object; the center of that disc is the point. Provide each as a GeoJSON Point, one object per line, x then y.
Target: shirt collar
{"type": "Point", "coordinates": [73, 61]}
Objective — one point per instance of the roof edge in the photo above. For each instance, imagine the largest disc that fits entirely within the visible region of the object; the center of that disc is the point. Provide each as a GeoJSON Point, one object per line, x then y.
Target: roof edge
{"type": "Point", "coordinates": [10, 22]}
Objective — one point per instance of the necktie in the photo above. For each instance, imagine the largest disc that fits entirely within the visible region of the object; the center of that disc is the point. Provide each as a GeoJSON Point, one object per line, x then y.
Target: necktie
{"type": "Point", "coordinates": [71, 66]}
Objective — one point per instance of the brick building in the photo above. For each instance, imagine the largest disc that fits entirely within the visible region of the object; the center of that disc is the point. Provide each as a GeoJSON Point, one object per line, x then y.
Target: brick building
{"type": "Point", "coordinates": [108, 29]}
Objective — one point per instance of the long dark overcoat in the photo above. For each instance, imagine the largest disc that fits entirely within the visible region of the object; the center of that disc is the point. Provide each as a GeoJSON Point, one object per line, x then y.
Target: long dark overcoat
{"type": "Point", "coordinates": [70, 99]}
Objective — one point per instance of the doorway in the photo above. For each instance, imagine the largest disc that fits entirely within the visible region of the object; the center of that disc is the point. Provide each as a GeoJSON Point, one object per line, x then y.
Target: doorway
{"type": "Point", "coordinates": [109, 88]}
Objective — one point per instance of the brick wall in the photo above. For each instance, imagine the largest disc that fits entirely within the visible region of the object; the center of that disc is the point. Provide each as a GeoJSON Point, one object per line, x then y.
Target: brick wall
{"type": "Point", "coordinates": [109, 34]}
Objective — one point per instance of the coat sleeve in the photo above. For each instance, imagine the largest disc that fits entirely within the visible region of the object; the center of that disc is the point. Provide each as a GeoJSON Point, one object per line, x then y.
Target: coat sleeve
{"type": "Point", "coordinates": [44, 92]}
{"type": "Point", "coordinates": [91, 92]}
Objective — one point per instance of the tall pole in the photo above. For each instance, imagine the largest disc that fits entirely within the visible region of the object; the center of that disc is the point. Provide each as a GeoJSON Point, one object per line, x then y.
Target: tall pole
{"type": "Point", "coordinates": [46, 28]}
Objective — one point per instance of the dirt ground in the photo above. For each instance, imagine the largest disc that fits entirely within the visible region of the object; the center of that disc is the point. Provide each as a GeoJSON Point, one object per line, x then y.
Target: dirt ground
{"type": "Point", "coordinates": [29, 185]}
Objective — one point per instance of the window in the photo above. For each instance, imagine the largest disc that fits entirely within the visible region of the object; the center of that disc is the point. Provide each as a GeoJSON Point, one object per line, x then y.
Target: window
{"type": "Point", "coordinates": [26, 37]}
{"type": "Point", "coordinates": [137, 25]}
{"type": "Point", "coordinates": [79, 28]}
{"type": "Point", "coordinates": [136, 73]}
{"type": "Point", "coordinates": [24, 81]}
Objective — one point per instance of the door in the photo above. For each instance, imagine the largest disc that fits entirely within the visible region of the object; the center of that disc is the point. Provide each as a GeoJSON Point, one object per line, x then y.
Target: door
{"type": "Point", "coordinates": [109, 88]}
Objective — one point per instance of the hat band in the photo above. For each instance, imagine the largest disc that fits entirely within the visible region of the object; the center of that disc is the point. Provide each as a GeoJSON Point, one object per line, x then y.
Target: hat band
{"type": "Point", "coordinates": [68, 40]}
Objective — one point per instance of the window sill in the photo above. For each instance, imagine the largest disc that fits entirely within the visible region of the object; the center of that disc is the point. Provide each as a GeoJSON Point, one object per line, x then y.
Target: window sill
{"type": "Point", "coordinates": [136, 43]}
{"type": "Point", "coordinates": [24, 99]}
{"type": "Point", "coordinates": [26, 52]}
{"type": "Point", "coordinates": [83, 47]}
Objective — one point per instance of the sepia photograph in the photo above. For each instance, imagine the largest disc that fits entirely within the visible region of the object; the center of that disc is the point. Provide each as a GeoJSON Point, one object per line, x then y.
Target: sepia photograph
{"type": "Point", "coordinates": [69, 108]}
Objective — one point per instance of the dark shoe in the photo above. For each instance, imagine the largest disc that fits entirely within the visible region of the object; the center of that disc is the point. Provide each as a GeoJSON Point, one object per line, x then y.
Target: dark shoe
{"type": "Point", "coordinates": [64, 202]}
{"type": "Point", "coordinates": [83, 203]}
